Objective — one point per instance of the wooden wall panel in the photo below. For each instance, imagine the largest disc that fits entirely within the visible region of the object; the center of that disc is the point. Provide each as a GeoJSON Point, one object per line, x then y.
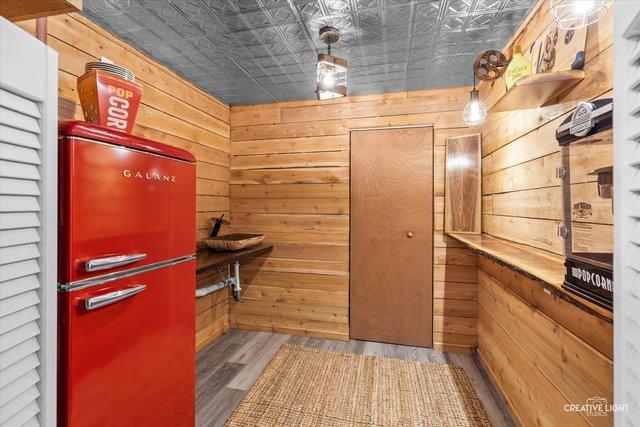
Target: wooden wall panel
{"type": "Point", "coordinates": [290, 179]}
{"type": "Point", "coordinates": [172, 111]}
{"type": "Point", "coordinates": [520, 152]}
{"type": "Point", "coordinates": [542, 352]}
{"type": "Point", "coordinates": [212, 311]}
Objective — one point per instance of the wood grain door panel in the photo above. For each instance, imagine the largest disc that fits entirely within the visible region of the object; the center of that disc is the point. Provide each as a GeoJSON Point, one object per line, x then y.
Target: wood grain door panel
{"type": "Point", "coordinates": [391, 247]}
{"type": "Point", "coordinates": [462, 185]}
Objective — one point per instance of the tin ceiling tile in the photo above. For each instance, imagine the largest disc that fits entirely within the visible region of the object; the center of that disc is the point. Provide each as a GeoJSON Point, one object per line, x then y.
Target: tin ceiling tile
{"type": "Point", "coordinates": [481, 21]}
{"type": "Point", "coordinates": [395, 67]}
{"type": "Point", "coordinates": [418, 65]}
{"type": "Point", "coordinates": [398, 13]}
{"type": "Point", "coordinates": [462, 61]}
{"type": "Point", "coordinates": [510, 16]}
{"type": "Point", "coordinates": [309, 10]}
{"type": "Point", "coordinates": [370, 19]}
{"type": "Point", "coordinates": [343, 22]}
{"type": "Point", "coordinates": [271, 3]}
{"type": "Point", "coordinates": [375, 70]}
{"type": "Point", "coordinates": [416, 84]}
{"type": "Point", "coordinates": [251, 51]}
{"type": "Point", "coordinates": [428, 10]}
{"type": "Point", "coordinates": [455, 7]}
{"type": "Point", "coordinates": [143, 36]}
{"type": "Point", "coordinates": [488, 5]}
{"type": "Point", "coordinates": [426, 26]}
{"type": "Point", "coordinates": [282, 14]}
{"type": "Point", "coordinates": [445, 50]}
{"type": "Point", "coordinates": [517, 3]}
{"type": "Point", "coordinates": [243, 5]}
{"type": "Point", "coordinates": [215, 6]}
{"type": "Point", "coordinates": [398, 56]}
{"type": "Point", "coordinates": [453, 23]}
{"type": "Point", "coordinates": [116, 5]}
{"type": "Point", "coordinates": [259, 18]}
{"type": "Point", "coordinates": [397, 31]}
{"type": "Point", "coordinates": [448, 37]}
{"type": "Point", "coordinates": [500, 32]}
{"type": "Point", "coordinates": [418, 53]}
{"type": "Point", "coordinates": [376, 59]}
{"type": "Point", "coordinates": [472, 35]}
{"type": "Point", "coordinates": [442, 60]}
{"type": "Point", "coordinates": [366, 4]}
{"type": "Point", "coordinates": [469, 48]}
{"type": "Point", "coordinates": [234, 22]}
{"type": "Point", "coordinates": [337, 6]}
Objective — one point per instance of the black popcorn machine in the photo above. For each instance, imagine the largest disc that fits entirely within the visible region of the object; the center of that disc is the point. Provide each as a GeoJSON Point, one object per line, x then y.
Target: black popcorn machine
{"type": "Point", "coordinates": [585, 140]}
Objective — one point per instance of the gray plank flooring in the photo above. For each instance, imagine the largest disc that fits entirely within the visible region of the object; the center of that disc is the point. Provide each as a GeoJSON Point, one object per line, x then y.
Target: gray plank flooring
{"type": "Point", "coordinates": [227, 369]}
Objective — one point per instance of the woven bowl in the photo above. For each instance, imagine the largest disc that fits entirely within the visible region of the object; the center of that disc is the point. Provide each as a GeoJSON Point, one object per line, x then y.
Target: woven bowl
{"type": "Point", "coordinates": [234, 241]}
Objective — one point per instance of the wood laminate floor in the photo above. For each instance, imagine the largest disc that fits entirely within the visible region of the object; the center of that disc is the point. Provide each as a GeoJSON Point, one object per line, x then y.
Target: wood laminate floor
{"type": "Point", "coordinates": [229, 366]}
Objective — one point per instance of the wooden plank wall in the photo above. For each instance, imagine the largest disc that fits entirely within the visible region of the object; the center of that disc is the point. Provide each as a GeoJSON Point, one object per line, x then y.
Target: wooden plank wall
{"type": "Point", "coordinates": [290, 180]}
{"type": "Point", "coordinates": [521, 195]}
{"type": "Point", "coordinates": [172, 111]}
{"type": "Point", "coordinates": [541, 352]}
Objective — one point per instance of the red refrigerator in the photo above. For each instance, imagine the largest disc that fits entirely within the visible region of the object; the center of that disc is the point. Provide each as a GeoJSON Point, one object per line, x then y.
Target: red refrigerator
{"type": "Point", "coordinates": [126, 280]}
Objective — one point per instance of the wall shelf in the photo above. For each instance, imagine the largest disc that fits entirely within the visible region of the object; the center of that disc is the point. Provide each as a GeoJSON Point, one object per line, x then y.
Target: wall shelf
{"type": "Point", "coordinates": [537, 90]}
{"type": "Point", "coordinates": [208, 259]}
{"type": "Point", "coordinates": [546, 269]}
{"type": "Point", "coordinates": [21, 10]}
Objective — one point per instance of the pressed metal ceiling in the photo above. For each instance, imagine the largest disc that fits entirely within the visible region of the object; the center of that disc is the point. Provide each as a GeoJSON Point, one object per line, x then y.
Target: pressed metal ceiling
{"type": "Point", "coordinates": [253, 51]}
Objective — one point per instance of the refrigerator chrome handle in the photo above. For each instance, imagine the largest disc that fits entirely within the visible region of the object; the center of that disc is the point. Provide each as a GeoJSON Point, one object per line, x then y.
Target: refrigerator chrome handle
{"type": "Point", "coordinates": [112, 261]}
{"type": "Point", "coordinates": [112, 297]}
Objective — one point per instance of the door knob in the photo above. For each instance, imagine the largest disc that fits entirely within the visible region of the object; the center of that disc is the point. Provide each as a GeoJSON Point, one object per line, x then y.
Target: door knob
{"type": "Point", "coordinates": [409, 234]}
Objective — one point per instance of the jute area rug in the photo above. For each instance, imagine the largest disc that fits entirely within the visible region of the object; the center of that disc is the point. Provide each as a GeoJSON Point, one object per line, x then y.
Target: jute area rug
{"type": "Point", "coordinates": [310, 387]}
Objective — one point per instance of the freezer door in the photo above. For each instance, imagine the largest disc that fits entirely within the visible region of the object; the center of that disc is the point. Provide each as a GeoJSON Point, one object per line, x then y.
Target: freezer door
{"type": "Point", "coordinates": [121, 208]}
{"type": "Point", "coordinates": [127, 351]}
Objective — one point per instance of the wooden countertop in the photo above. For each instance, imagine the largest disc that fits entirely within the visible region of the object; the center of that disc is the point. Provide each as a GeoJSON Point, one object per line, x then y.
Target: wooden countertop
{"type": "Point", "coordinates": [545, 268]}
{"type": "Point", "coordinates": [208, 258]}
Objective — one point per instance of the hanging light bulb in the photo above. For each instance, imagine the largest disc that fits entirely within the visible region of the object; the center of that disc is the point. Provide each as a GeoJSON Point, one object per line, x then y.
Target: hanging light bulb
{"type": "Point", "coordinates": [583, 6]}
{"type": "Point", "coordinates": [331, 70]}
{"type": "Point", "coordinates": [475, 111]}
{"type": "Point", "coordinates": [578, 13]}
{"type": "Point", "coordinates": [328, 79]}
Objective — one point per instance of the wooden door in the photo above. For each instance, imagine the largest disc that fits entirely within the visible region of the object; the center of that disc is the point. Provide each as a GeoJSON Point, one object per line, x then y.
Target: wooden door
{"type": "Point", "coordinates": [391, 249]}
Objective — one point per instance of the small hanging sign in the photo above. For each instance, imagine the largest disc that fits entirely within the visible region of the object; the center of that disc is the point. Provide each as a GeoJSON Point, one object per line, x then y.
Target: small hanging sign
{"type": "Point", "coordinates": [588, 118]}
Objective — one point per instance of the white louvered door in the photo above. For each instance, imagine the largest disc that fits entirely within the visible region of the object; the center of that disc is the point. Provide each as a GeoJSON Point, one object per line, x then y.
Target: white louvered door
{"type": "Point", "coordinates": [28, 212]}
{"type": "Point", "coordinates": [626, 129]}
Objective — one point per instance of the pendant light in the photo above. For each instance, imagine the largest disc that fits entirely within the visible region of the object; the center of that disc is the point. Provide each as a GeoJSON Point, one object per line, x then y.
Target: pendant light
{"type": "Point", "coordinates": [475, 111]}
{"type": "Point", "coordinates": [570, 14]}
{"type": "Point", "coordinates": [488, 66]}
{"type": "Point", "coordinates": [331, 70]}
